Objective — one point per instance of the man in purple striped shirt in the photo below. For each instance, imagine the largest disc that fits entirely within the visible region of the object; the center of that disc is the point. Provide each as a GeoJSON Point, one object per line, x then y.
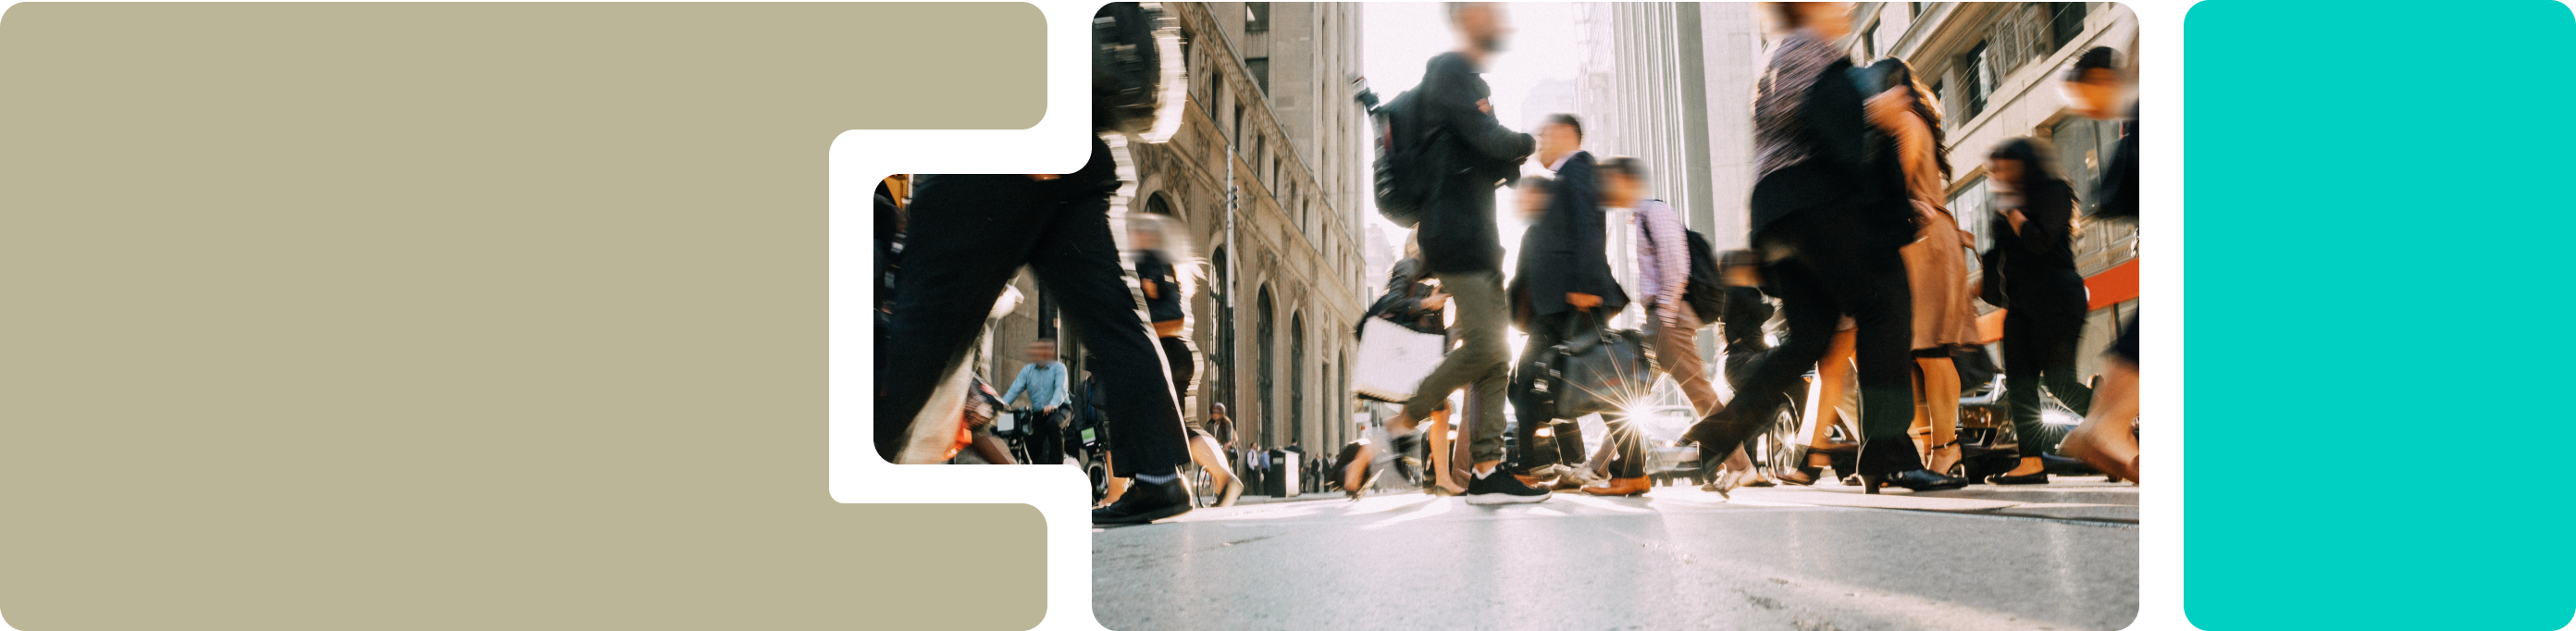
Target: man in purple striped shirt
{"type": "Point", "coordinates": [1663, 272]}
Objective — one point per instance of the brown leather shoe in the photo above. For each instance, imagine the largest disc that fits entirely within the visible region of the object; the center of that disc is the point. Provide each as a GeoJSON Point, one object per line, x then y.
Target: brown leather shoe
{"type": "Point", "coordinates": [1621, 487]}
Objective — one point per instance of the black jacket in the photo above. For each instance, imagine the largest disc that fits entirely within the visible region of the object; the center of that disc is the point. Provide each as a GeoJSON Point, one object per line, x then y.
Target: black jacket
{"type": "Point", "coordinates": [2039, 262]}
{"type": "Point", "coordinates": [1566, 251]}
{"type": "Point", "coordinates": [1473, 154]}
{"type": "Point", "coordinates": [1852, 169]}
{"type": "Point", "coordinates": [2119, 190]}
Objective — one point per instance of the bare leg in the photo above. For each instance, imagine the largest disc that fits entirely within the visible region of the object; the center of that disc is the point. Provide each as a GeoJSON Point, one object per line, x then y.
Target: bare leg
{"type": "Point", "coordinates": [1939, 401]}
{"type": "Point", "coordinates": [991, 448]}
{"type": "Point", "coordinates": [2105, 440]}
{"type": "Point", "coordinates": [1211, 456]}
{"type": "Point", "coordinates": [1833, 383]}
{"type": "Point", "coordinates": [1439, 438]}
{"type": "Point", "coordinates": [1355, 472]}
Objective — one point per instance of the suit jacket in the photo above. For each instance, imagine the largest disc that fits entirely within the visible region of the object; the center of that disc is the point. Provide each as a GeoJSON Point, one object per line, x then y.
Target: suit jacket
{"type": "Point", "coordinates": [1566, 252]}
{"type": "Point", "coordinates": [1474, 154]}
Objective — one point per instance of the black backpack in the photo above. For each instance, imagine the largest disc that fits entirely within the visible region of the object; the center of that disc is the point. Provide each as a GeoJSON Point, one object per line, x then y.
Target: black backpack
{"type": "Point", "coordinates": [1406, 170]}
{"type": "Point", "coordinates": [1706, 293]}
{"type": "Point", "coordinates": [1136, 70]}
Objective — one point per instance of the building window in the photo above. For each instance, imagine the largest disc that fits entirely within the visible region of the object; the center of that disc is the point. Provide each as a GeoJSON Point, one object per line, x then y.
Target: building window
{"type": "Point", "coordinates": [1913, 10]}
{"type": "Point", "coordinates": [1260, 69]}
{"type": "Point", "coordinates": [1157, 205]}
{"type": "Point", "coordinates": [1256, 17]}
{"type": "Point", "coordinates": [2065, 23]}
{"type": "Point", "coordinates": [1264, 338]}
{"type": "Point", "coordinates": [1969, 205]}
{"type": "Point", "coordinates": [1869, 43]}
{"type": "Point", "coordinates": [1976, 81]}
{"type": "Point", "coordinates": [1296, 377]}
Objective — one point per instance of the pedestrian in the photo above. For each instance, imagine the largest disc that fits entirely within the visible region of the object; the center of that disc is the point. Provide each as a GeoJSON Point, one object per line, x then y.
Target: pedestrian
{"type": "Point", "coordinates": [968, 235]}
{"type": "Point", "coordinates": [2107, 439]}
{"type": "Point", "coordinates": [2034, 228]}
{"type": "Point", "coordinates": [1829, 217]}
{"type": "Point", "coordinates": [1168, 275]}
{"type": "Point", "coordinates": [1461, 249]}
{"type": "Point", "coordinates": [1406, 280]}
{"type": "Point", "coordinates": [1936, 263]}
{"type": "Point", "coordinates": [1047, 383]}
{"type": "Point", "coordinates": [1663, 271]}
{"type": "Point", "coordinates": [1564, 278]}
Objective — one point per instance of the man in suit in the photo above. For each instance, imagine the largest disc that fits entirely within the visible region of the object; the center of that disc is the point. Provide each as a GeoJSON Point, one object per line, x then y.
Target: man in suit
{"type": "Point", "coordinates": [1563, 279]}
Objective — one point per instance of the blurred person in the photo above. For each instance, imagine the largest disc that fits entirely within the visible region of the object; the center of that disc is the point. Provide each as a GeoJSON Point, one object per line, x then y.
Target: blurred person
{"type": "Point", "coordinates": [1829, 217]}
{"type": "Point", "coordinates": [1663, 274]}
{"type": "Point", "coordinates": [1405, 278]}
{"type": "Point", "coordinates": [1461, 249]}
{"type": "Point", "coordinates": [2034, 229]}
{"type": "Point", "coordinates": [1936, 264]}
{"type": "Point", "coordinates": [1048, 385]}
{"type": "Point", "coordinates": [1564, 277]}
{"type": "Point", "coordinates": [968, 235]}
{"type": "Point", "coordinates": [1168, 275]}
{"type": "Point", "coordinates": [2107, 440]}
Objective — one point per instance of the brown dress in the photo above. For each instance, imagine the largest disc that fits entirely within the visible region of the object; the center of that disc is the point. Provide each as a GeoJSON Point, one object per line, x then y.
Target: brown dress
{"type": "Point", "coordinates": [1936, 264]}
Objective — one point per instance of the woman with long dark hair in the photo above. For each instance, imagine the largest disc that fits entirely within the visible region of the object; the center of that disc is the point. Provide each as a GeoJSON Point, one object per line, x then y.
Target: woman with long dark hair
{"type": "Point", "coordinates": [1167, 274]}
{"type": "Point", "coordinates": [1936, 264]}
{"type": "Point", "coordinates": [2044, 299]}
{"type": "Point", "coordinates": [1829, 215]}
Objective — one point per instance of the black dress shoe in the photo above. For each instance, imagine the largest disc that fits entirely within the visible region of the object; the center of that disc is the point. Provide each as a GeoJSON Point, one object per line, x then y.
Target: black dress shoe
{"type": "Point", "coordinates": [1144, 503]}
{"type": "Point", "coordinates": [2006, 478]}
{"type": "Point", "coordinates": [1914, 479]}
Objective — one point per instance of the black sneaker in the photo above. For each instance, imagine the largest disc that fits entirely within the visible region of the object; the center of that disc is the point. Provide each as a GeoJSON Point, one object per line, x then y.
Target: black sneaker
{"type": "Point", "coordinates": [1144, 503]}
{"type": "Point", "coordinates": [1500, 487]}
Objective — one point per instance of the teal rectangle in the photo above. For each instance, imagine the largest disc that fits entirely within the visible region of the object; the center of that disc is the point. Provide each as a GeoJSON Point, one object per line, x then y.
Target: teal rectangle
{"type": "Point", "coordinates": [2376, 292]}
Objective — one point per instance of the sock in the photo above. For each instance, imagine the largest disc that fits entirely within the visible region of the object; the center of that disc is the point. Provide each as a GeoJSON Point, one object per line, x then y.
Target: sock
{"type": "Point", "coordinates": [1486, 472]}
{"type": "Point", "coordinates": [1166, 477]}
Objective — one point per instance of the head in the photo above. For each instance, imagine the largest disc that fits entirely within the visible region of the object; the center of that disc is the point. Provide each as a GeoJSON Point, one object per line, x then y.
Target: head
{"type": "Point", "coordinates": [1216, 410]}
{"type": "Point", "coordinates": [1042, 351]}
{"type": "Point", "coordinates": [1824, 20]}
{"type": "Point", "coordinates": [2095, 83]}
{"type": "Point", "coordinates": [1623, 181]}
{"type": "Point", "coordinates": [2022, 163]}
{"type": "Point", "coordinates": [1163, 236]}
{"type": "Point", "coordinates": [1481, 26]}
{"type": "Point", "coordinates": [1533, 194]}
{"type": "Point", "coordinates": [1559, 135]}
{"type": "Point", "coordinates": [1926, 106]}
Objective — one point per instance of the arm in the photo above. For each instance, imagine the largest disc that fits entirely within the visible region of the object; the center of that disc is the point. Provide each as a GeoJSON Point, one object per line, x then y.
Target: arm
{"type": "Point", "coordinates": [1836, 123]}
{"type": "Point", "coordinates": [1460, 112]}
{"type": "Point", "coordinates": [1019, 384]}
{"type": "Point", "coordinates": [1063, 390]}
{"type": "Point", "coordinates": [1672, 257]}
{"type": "Point", "coordinates": [2048, 216]}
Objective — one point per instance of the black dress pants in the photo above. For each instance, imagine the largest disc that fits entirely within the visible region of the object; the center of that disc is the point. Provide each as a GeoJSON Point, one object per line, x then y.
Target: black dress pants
{"type": "Point", "coordinates": [1529, 413]}
{"type": "Point", "coordinates": [2041, 334]}
{"type": "Point", "coordinates": [969, 235]}
{"type": "Point", "coordinates": [1827, 274]}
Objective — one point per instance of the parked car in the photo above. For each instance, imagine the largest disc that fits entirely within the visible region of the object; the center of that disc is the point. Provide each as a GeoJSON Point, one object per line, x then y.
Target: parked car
{"type": "Point", "coordinates": [1669, 459]}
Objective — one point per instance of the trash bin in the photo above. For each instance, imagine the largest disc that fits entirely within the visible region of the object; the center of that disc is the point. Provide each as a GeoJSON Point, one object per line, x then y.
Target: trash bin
{"type": "Point", "coordinates": [1280, 479]}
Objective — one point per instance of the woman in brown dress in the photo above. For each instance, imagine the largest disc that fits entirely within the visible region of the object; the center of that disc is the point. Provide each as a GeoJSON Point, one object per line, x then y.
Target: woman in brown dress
{"type": "Point", "coordinates": [1945, 319]}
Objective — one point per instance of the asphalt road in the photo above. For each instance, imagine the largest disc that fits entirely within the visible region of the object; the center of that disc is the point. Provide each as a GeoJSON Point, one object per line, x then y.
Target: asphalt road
{"type": "Point", "coordinates": [2063, 556]}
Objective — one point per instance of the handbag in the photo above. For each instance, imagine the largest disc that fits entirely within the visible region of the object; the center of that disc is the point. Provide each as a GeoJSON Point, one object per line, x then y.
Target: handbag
{"type": "Point", "coordinates": [1393, 360]}
{"type": "Point", "coordinates": [1595, 369]}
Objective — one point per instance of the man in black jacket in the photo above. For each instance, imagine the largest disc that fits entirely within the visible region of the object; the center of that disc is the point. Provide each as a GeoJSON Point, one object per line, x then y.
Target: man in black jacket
{"type": "Point", "coordinates": [1564, 277]}
{"type": "Point", "coordinates": [1461, 249]}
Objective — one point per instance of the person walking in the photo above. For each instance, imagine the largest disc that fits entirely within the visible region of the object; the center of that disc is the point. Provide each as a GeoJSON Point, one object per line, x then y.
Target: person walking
{"type": "Point", "coordinates": [1830, 218]}
{"type": "Point", "coordinates": [1564, 278]}
{"type": "Point", "coordinates": [2034, 228]}
{"type": "Point", "coordinates": [1407, 282]}
{"type": "Point", "coordinates": [1936, 263]}
{"type": "Point", "coordinates": [1168, 275]}
{"type": "Point", "coordinates": [2108, 439]}
{"type": "Point", "coordinates": [1663, 273]}
{"type": "Point", "coordinates": [1461, 249]}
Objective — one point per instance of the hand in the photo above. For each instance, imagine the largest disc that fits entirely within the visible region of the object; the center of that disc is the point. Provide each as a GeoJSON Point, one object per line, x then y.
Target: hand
{"type": "Point", "coordinates": [1485, 105]}
{"type": "Point", "coordinates": [1049, 410]}
{"type": "Point", "coordinates": [2016, 218]}
{"type": "Point", "coordinates": [1435, 301]}
{"type": "Point", "coordinates": [1043, 176]}
{"type": "Point", "coordinates": [1582, 300]}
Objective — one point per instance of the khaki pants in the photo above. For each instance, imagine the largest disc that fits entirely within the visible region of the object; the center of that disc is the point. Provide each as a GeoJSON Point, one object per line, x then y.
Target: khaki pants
{"type": "Point", "coordinates": [1481, 364]}
{"type": "Point", "coordinates": [1677, 350]}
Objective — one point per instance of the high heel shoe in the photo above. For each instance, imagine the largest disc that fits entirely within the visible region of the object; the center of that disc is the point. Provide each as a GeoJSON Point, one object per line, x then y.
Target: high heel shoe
{"type": "Point", "coordinates": [1806, 475]}
{"type": "Point", "coordinates": [1934, 454]}
{"type": "Point", "coordinates": [1917, 480]}
{"type": "Point", "coordinates": [2006, 479]}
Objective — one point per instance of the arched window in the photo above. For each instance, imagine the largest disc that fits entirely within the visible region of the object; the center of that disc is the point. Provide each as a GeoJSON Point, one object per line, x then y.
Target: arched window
{"type": "Point", "coordinates": [1159, 204]}
{"type": "Point", "coordinates": [1266, 354]}
{"type": "Point", "coordinates": [1296, 377]}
